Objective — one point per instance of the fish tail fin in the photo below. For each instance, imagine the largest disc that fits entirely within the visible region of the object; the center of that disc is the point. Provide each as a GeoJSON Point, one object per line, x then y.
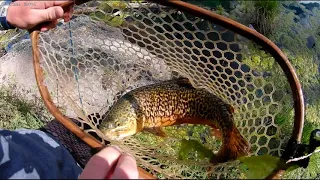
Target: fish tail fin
{"type": "Point", "coordinates": [233, 147]}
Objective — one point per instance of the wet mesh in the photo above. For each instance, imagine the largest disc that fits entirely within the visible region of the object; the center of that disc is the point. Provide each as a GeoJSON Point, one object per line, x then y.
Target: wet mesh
{"type": "Point", "coordinates": [110, 48]}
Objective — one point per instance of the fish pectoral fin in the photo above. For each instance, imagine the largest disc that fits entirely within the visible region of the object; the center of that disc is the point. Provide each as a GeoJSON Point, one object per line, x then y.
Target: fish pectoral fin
{"type": "Point", "coordinates": [156, 131]}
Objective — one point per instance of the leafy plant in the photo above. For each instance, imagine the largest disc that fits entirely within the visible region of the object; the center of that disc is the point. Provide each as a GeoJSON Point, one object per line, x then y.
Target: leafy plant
{"type": "Point", "coordinates": [105, 13]}
{"type": "Point", "coordinates": [195, 149]}
{"type": "Point", "coordinates": [258, 167]}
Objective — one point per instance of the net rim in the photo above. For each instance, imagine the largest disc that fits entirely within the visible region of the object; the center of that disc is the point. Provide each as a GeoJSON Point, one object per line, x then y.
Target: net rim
{"type": "Point", "coordinates": [220, 20]}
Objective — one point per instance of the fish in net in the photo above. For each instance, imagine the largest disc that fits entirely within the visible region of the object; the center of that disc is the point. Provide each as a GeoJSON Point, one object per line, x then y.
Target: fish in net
{"type": "Point", "coordinates": [111, 48]}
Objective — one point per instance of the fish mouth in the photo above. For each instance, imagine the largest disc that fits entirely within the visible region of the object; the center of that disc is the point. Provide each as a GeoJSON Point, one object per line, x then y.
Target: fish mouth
{"type": "Point", "coordinates": [118, 133]}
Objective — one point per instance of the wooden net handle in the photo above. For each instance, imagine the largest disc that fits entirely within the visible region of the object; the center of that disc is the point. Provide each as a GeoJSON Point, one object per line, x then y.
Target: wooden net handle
{"type": "Point", "coordinates": [65, 121]}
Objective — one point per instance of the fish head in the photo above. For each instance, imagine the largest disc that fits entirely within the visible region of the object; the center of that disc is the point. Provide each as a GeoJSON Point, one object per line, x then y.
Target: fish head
{"type": "Point", "coordinates": [120, 121]}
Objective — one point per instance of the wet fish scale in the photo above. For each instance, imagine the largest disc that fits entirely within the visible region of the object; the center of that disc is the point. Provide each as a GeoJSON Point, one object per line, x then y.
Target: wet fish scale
{"type": "Point", "coordinates": [171, 103]}
{"type": "Point", "coordinates": [185, 102]}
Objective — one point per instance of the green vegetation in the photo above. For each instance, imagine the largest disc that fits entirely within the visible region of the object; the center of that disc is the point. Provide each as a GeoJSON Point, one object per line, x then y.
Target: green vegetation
{"type": "Point", "coordinates": [5, 37]}
{"type": "Point", "coordinates": [12, 35]}
{"type": "Point", "coordinates": [105, 13]}
{"type": "Point", "coordinates": [291, 36]}
{"type": "Point", "coordinates": [195, 149]}
{"type": "Point", "coordinates": [265, 14]}
{"type": "Point", "coordinates": [4, 40]}
{"type": "Point", "coordinates": [258, 167]}
{"type": "Point", "coordinates": [281, 22]}
{"type": "Point", "coordinates": [16, 111]}
{"type": "Point", "coordinates": [271, 18]}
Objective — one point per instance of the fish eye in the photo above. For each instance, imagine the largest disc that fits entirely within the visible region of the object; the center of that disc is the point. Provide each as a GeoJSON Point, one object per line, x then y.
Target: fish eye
{"type": "Point", "coordinates": [118, 124]}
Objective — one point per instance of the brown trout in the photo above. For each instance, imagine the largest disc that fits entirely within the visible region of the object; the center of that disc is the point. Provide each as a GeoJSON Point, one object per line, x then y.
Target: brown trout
{"type": "Point", "coordinates": [170, 103]}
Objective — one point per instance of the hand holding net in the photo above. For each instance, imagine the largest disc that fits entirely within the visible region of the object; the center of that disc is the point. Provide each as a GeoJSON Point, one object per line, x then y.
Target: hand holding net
{"type": "Point", "coordinates": [110, 48]}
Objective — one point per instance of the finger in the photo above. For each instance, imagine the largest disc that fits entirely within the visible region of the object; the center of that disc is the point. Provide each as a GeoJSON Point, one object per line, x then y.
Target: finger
{"type": "Point", "coordinates": [101, 163]}
{"type": "Point", "coordinates": [68, 14]}
{"type": "Point", "coordinates": [126, 168]}
{"type": "Point", "coordinates": [44, 15]}
{"type": "Point", "coordinates": [50, 25]}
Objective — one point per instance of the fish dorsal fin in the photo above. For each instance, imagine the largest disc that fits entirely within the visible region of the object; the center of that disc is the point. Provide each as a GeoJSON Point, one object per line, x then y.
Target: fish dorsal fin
{"type": "Point", "coordinates": [184, 82]}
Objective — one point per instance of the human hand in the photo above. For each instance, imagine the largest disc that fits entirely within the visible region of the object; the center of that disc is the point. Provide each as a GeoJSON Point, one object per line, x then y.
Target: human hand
{"type": "Point", "coordinates": [28, 14]}
{"type": "Point", "coordinates": [110, 163]}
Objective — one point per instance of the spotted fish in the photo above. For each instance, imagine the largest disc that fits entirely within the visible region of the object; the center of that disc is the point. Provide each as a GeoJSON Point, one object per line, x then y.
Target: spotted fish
{"type": "Point", "coordinates": [170, 103]}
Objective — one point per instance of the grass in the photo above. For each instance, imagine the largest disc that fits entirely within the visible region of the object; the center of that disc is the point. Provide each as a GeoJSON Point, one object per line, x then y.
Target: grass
{"type": "Point", "coordinates": [18, 111]}
{"type": "Point", "coordinates": [310, 124]}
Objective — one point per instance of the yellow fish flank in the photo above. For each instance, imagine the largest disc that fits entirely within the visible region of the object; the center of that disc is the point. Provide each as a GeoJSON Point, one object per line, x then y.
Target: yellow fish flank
{"type": "Point", "coordinates": [174, 102]}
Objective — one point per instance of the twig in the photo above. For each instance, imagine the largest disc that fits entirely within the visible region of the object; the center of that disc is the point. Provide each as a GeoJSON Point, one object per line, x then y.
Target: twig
{"type": "Point", "coordinates": [302, 157]}
{"type": "Point", "coordinates": [85, 10]}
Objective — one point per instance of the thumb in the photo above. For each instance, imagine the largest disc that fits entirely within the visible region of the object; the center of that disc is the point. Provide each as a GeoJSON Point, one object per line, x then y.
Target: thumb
{"type": "Point", "coordinates": [44, 15]}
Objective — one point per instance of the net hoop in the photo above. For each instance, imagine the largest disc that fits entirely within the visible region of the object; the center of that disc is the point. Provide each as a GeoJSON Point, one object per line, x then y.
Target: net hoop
{"type": "Point", "coordinates": [225, 22]}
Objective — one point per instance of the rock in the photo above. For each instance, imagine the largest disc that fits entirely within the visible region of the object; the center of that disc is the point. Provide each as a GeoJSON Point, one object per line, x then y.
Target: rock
{"type": "Point", "coordinates": [311, 41]}
{"type": "Point", "coordinates": [16, 66]}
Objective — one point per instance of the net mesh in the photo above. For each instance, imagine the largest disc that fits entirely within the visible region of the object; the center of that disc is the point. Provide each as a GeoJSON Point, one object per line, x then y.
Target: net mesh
{"type": "Point", "coordinates": [110, 48]}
